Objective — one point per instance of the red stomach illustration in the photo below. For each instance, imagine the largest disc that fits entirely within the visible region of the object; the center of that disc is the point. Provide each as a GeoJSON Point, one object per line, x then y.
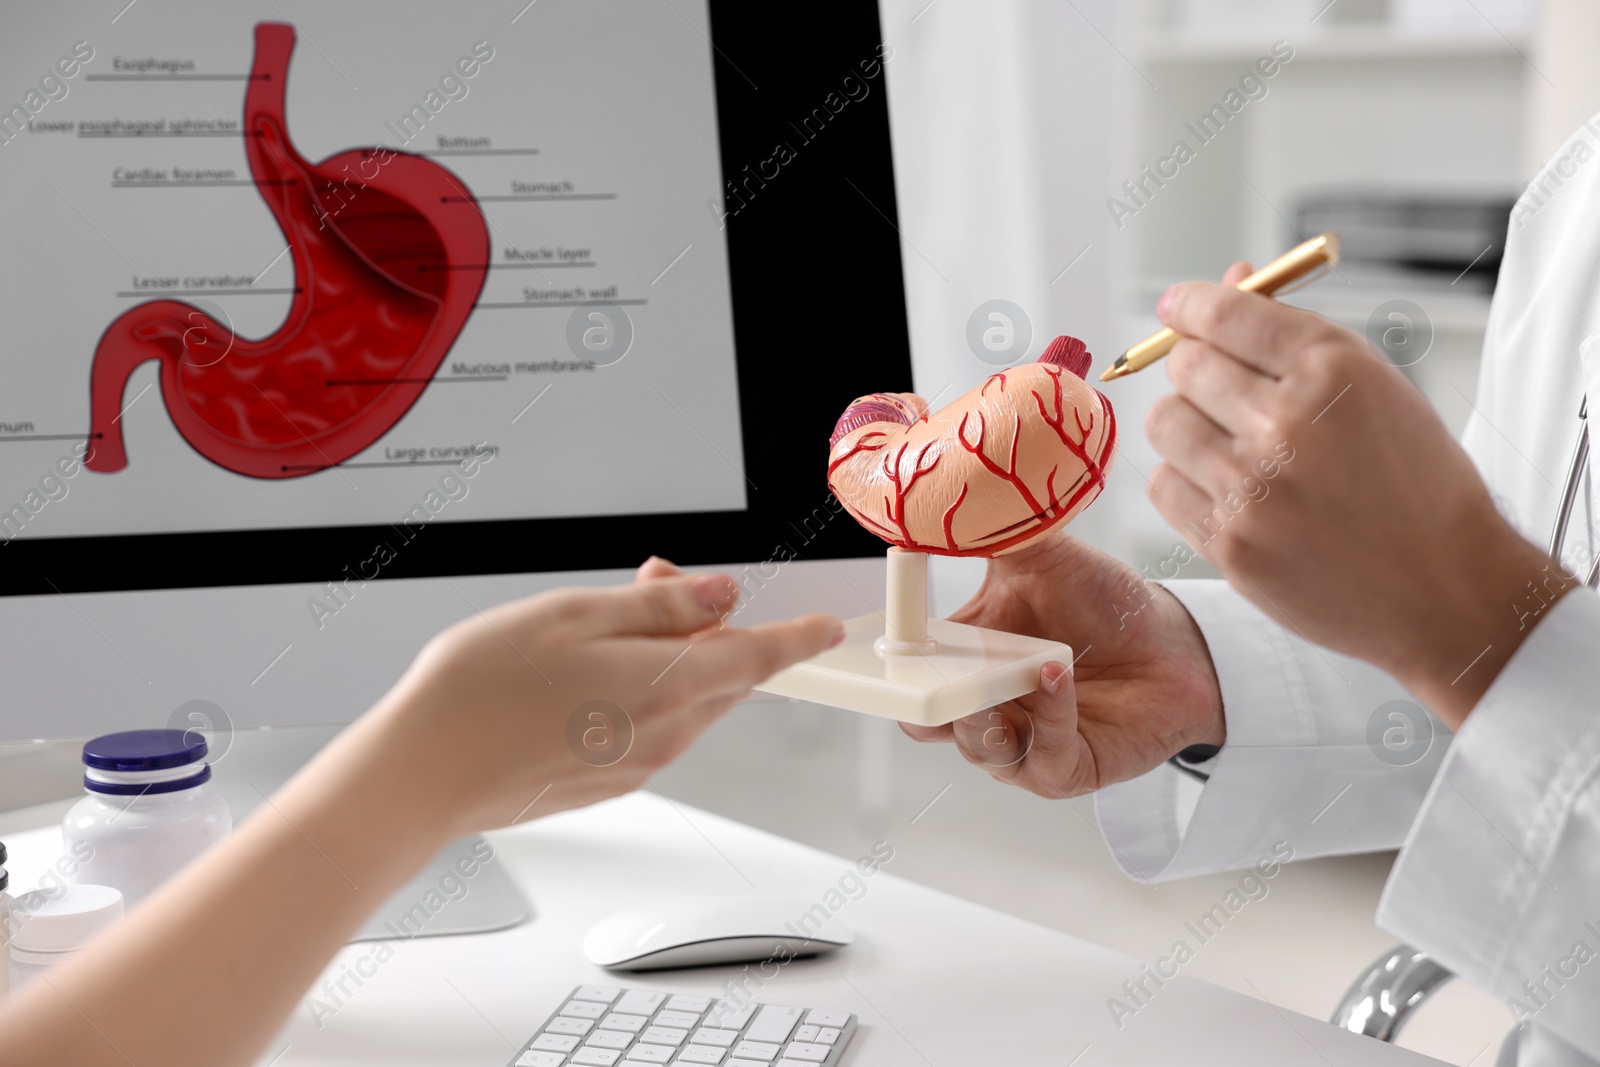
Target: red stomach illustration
{"type": "Point", "coordinates": [390, 252]}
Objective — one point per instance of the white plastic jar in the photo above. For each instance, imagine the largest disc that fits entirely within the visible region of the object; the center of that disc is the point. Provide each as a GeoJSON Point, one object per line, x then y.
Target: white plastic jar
{"type": "Point", "coordinates": [48, 926]}
{"type": "Point", "coordinates": [148, 812]}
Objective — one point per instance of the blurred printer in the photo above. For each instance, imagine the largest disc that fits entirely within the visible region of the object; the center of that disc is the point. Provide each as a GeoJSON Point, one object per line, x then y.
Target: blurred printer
{"type": "Point", "coordinates": [1450, 236]}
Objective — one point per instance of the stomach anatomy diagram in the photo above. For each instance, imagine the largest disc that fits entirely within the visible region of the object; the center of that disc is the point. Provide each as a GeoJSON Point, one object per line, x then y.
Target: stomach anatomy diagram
{"type": "Point", "coordinates": [390, 252]}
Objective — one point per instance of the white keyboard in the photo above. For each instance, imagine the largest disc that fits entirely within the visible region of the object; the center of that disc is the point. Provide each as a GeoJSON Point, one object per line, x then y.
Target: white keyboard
{"type": "Point", "coordinates": [602, 1026]}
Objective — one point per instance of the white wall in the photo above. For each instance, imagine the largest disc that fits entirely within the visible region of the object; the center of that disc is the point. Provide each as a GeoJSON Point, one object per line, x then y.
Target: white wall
{"type": "Point", "coordinates": [1567, 91]}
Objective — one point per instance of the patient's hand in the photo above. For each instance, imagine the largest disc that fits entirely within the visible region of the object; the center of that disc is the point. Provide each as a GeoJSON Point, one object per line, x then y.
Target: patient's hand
{"type": "Point", "coordinates": [478, 733]}
{"type": "Point", "coordinates": [577, 695]}
{"type": "Point", "coordinates": [1144, 686]}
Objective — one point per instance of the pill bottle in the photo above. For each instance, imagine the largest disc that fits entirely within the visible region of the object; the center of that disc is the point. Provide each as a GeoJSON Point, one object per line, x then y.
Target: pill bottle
{"type": "Point", "coordinates": [48, 926]}
{"type": "Point", "coordinates": [5, 923]}
{"type": "Point", "coordinates": [149, 810]}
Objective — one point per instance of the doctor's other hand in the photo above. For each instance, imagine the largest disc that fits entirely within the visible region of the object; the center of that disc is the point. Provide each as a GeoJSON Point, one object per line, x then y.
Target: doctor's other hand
{"type": "Point", "coordinates": [576, 695]}
{"type": "Point", "coordinates": [1329, 493]}
{"type": "Point", "coordinates": [1143, 687]}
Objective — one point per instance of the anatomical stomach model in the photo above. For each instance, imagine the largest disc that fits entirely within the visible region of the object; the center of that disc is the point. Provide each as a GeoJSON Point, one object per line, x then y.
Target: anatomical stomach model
{"type": "Point", "coordinates": [390, 252]}
{"type": "Point", "coordinates": [994, 471]}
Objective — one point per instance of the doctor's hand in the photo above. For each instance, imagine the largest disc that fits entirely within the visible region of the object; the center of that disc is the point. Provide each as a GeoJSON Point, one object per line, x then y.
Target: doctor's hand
{"type": "Point", "coordinates": [1144, 687]}
{"type": "Point", "coordinates": [1329, 493]}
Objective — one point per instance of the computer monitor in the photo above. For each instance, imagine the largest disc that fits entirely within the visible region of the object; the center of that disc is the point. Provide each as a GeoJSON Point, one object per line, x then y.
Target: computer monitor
{"type": "Point", "coordinates": [322, 334]}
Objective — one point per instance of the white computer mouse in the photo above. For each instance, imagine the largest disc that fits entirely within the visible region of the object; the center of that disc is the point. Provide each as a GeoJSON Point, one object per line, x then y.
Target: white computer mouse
{"type": "Point", "coordinates": [704, 930]}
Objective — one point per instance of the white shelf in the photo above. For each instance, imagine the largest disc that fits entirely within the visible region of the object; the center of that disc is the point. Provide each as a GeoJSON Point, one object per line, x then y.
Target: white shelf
{"type": "Point", "coordinates": [1338, 43]}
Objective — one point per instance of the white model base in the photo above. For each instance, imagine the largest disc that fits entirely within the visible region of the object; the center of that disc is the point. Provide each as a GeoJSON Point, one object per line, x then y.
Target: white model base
{"type": "Point", "coordinates": [972, 669]}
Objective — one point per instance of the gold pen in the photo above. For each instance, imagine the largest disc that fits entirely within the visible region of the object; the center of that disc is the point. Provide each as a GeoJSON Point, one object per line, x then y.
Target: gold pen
{"type": "Point", "coordinates": [1322, 250]}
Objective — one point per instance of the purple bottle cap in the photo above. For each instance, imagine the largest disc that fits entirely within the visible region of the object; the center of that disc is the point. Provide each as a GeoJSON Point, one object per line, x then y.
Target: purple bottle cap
{"type": "Point", "coordinates": [140, 762]}
{"type": "Point", "coordinates": [144, 750]}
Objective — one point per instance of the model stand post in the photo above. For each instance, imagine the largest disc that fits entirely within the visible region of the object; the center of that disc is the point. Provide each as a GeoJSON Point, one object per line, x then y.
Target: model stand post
{"type": "Point", "coordinates": [901, 664]}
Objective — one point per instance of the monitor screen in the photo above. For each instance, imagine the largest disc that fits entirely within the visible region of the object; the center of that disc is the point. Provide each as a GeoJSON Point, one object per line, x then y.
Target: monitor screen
{"type": "Point", "coordinates": [385, 292]}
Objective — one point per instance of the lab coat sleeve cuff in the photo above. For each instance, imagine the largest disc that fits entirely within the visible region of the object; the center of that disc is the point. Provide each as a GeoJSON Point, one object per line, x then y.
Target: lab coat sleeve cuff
{"type": "Point", "coordinates": [1297, 777]}
{"type": "Point", "coordinates": [1497, 877]}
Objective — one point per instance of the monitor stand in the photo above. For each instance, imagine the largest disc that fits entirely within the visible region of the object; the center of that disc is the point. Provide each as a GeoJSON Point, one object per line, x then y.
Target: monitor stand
{"type": "Point", "coordinates": [443, 899]}
{"type": "Point", "coordinates": [902, 665]}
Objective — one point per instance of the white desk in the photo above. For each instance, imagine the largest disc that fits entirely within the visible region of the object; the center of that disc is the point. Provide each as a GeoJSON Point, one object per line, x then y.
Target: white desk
{"type": "Point", "coordinates": [937, 981]}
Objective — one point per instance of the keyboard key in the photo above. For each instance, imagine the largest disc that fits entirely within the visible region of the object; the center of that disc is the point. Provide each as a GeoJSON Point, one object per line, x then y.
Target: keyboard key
{"type": "Point", "coordinates": [564, 1024]}
{"type": "Point", "coordinates": [639, 1002]}
{"type": "Point", "coordinates": [605, 994]}
{"type": "Point", "coordinates": [774, 1023]}
{"type": "Point", "coordinates": [555, 1042]}
{"type": "Point", "coordinates": [663, 1035]}
{"type": "Point", "coordinates": [787, 1062]}
{"type": "Point", "coordinates": [685, 1020]}
{"type": "Point", "coordinates": [650, 1053]}
{"type": "Point", "coordinates": [810, 1053]}
{"type": "Point", "coordinates": [610, 1039]}
{"type": "Point", "coordinates": [685, 1003]}
{"type": "Point", "coordinates": [744, 1063]}
{"type": "Point", "coordinates": [720, 1038]}
{"type": "Point", "coordinates": [826, 1036]}
{"type": "Point", "coordinates": [756, 1050]}
{"type": "Point", "coordinates": [631, 1023]}
{"type": "Point", "coordinates": [590, 1056]}
{"type": "Point", "coordinates": [583, 1009]}
{"type": "Point", "coordinates": [532, 1058]}
{"type": "Point", "coordinates": [727, 1014]}
{"type": "Point", "coordinates": [806, 1033]}
{"type": "Point", "coordinates": [701, 1054]}
{"type": "Point", "coordinates": [836, 1019]}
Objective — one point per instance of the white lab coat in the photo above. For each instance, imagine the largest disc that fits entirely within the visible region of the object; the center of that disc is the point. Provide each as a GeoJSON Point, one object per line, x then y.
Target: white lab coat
{"type": "Point", "coordinates": [1499, 828]}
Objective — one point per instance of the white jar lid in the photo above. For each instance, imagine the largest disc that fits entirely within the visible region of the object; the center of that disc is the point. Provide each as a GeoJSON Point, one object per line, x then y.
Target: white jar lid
{"type": "Point", "coordinates": [63, 920]}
